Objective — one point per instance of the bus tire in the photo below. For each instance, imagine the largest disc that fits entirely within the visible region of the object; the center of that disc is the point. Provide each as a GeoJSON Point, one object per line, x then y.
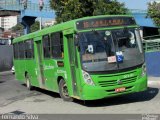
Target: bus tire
{"type": "Point", "coordinates": [28, 83]}
{"type": "Point", "coordinates": [63, 91]}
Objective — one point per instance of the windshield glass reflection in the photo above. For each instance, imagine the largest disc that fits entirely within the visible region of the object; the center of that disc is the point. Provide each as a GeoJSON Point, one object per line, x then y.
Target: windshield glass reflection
{"type": "Point", "coordinates": [110, 50]}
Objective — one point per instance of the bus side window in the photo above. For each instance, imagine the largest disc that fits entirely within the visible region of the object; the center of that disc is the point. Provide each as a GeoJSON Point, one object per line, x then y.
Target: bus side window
{"type": "Point", "coordinates": [21, 50]}
{"type": "Point", "coordinates": [57, 45]}
{"type": "Point", "coordinates": [16, 47]}
{"type": "Point", "coordinates": [46, 46]}
{"type": "Point", "coordinates": [29, 49]}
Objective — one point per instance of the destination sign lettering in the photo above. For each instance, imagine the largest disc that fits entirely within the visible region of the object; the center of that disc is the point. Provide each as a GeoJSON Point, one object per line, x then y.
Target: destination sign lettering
{"type": "Point", "coordinates": [105, 22]}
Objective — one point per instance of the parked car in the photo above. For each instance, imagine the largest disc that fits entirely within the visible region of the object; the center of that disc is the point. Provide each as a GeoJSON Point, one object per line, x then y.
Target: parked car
{"type": "Point", "coordinates": [13, 70]}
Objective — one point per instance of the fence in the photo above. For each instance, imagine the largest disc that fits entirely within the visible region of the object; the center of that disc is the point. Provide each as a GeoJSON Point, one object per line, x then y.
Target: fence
{"type": "Point", "coordinates": [6, 57]}
{"type": "Point", "coordinates": [151, 47]}
{"type": "Point", "coordinates": [151, 44]}
{"type": "Point", "coordinates": [17, 5]}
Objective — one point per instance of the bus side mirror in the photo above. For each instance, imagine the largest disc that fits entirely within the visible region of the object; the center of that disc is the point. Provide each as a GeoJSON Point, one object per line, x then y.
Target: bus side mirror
{"type": "Point", "coordinates": [139, 40]}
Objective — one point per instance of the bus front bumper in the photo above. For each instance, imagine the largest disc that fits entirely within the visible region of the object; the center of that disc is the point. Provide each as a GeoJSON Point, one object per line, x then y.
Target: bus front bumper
{"type": "Point", "coordinates": [97, 92]}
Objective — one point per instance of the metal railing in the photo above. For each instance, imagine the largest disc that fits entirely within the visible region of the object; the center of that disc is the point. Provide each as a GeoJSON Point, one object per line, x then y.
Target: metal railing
{"type": "Point", "coordinates": [17, 5]}
{"type": "Point", "coordinates": [138, 11]}
{"type": "Point", "coordinates": [151, 43]}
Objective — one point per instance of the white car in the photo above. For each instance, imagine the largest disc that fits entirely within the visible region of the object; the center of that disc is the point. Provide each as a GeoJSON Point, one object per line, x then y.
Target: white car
{"type": "Point", "coordinates": [13, 70]}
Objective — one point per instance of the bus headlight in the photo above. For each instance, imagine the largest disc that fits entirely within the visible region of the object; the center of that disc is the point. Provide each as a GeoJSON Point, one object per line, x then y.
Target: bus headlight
{"type": "Point", "coordinates": [144, 70]}
{"type": "Point", "coordinates": [87, 78]}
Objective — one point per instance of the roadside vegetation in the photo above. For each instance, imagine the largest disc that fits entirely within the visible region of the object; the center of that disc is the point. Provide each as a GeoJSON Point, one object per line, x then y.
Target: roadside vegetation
{"type": "Point", "coordinates": [66, 10]}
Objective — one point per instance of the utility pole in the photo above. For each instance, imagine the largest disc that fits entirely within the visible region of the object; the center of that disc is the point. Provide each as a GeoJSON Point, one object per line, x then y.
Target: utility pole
{"type": "Point", "coordinates": [40, 23]}
{"type": "Point", "coordinates": [41, 4]}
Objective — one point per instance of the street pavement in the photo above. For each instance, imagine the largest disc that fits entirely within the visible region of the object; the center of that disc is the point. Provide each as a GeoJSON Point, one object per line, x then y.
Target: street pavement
{"type": "Point", "coordinates": [15, 98]}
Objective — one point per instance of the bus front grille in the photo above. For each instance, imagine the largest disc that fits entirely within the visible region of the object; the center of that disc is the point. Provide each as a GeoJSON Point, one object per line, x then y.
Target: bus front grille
{"type": "Point", "coordinates": [109, 83]}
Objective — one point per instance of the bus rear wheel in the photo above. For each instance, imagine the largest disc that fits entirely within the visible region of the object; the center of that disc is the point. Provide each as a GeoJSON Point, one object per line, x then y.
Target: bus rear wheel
{"type": "Point", "coordinates": [28, 83]}
{"type": "Point", "coordinates": [63, 91]}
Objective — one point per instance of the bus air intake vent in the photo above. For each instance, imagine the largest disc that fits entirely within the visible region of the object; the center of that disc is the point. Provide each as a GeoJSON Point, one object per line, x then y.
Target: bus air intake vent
{"type": "Point", "coordinates": [115, 82]}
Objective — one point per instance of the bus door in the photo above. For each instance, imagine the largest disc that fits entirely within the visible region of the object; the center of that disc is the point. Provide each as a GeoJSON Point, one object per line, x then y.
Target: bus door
{"type": "Point", "coordinates": [72, 63]}
{"type": "Point", "coordinates": [49, 63]}
{"type": "Point", "coordinates": [39, 62]}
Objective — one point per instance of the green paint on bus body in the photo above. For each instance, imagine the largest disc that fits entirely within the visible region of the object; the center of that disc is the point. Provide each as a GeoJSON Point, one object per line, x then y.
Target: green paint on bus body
{"type": "Point", "coordinates": [105, 84]}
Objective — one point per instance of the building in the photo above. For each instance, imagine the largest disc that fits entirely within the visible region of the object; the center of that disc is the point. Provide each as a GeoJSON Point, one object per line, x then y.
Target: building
{"type": "Point", "coordinates": [158, 1]}
{"type": "Point", "coordinates": [1, 31]}
{"type": "Point", "coordinates": [8, 22]}
{"type": "Point", "coordinates": [49, 23]}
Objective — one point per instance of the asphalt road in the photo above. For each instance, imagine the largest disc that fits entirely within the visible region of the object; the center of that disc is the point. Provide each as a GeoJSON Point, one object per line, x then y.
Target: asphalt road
{"type": "Point", "coordinates": [15, 98]}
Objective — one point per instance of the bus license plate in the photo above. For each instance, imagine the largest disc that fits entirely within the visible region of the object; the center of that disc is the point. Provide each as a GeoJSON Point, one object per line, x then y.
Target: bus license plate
{"type": "Point", "coordinates": [120, 89]}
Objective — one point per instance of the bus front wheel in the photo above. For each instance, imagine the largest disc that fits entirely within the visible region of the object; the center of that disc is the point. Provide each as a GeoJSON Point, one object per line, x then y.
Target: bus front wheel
{"type": "Point", "coordinates": [63, 91]}
{"type": "Point", "coordinates": [28, 83]}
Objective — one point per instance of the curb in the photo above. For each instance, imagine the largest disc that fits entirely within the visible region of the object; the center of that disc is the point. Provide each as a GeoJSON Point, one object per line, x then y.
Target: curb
{"type": "Point", "coordinates": [154, 80]}
{"type": "Point", "coordinates": [154, 83]}
{"type": "Point", "coordinates": [5, 72]}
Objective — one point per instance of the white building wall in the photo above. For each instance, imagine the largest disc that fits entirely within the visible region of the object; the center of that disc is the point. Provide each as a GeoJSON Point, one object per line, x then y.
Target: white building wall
{"type": "Point", "coordinates": [49, 23]}
{"type": "Point", "coordinates": [0, 22]}
{"type": "Point", "coordinates": [158, 1]}
{"type": "Point", "coordinates": [8, 22]}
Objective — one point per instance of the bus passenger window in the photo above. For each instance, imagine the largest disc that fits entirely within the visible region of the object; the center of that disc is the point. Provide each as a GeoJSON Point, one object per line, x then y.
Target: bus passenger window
{"type": "Point", "coordinates": [57, 45]}
{"type": "Point", "coordinates": [46, 46]}
{"type": "Point", "coordinates": [29, 49]}
{"type": "Point", "coordinates": [15, 46]}
{"type": "Point", "coordinates": [21, 50]}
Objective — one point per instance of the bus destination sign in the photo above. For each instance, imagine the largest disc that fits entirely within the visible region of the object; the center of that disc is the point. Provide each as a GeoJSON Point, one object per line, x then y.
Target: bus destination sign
{"type": "Point", "coordinates": [105, 22]}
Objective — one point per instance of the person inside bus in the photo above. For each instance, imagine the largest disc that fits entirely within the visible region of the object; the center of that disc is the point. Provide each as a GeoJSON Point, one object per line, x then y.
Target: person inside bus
{"type": "Point", "coordinates": [109, 46]}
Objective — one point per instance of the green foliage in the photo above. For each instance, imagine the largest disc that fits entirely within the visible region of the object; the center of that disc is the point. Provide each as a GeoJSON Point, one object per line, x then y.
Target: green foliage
{"type": "Point", "coordinates": [154, 12]}
{"type": "Point", "coordinates": [66, 10]}
{"type": "Point", "coordinates": [35, 26]}
{"type": "Point", "coordinates": [19, 27]}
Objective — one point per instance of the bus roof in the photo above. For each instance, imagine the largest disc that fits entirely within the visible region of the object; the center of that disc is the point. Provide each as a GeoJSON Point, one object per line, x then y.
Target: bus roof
{"type": "Point", "coordinates": [60, 27]}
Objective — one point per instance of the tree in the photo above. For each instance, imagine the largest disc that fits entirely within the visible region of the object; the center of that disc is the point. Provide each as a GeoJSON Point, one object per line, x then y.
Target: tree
{"type": "Point", "coordinates": [19, 27]}
{"type": "Point", "coordinates": [35, 26]}
{"type": "Point", "coordinates": [66, 10]}
{"type": "Point", "coordinates": [154, 12]}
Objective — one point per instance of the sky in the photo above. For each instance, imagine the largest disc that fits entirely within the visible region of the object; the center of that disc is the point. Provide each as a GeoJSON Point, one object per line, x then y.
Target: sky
{"type": "Point", "coordinates": [136, 4]}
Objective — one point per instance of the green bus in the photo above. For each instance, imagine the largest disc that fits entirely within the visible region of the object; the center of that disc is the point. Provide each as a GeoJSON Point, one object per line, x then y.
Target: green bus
{"type": "Point", "coordinates": [88, 58]}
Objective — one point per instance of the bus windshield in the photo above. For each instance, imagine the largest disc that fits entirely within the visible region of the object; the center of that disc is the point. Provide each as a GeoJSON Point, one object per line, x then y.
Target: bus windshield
{"type": "Point", "coordinates": [110, 50]}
